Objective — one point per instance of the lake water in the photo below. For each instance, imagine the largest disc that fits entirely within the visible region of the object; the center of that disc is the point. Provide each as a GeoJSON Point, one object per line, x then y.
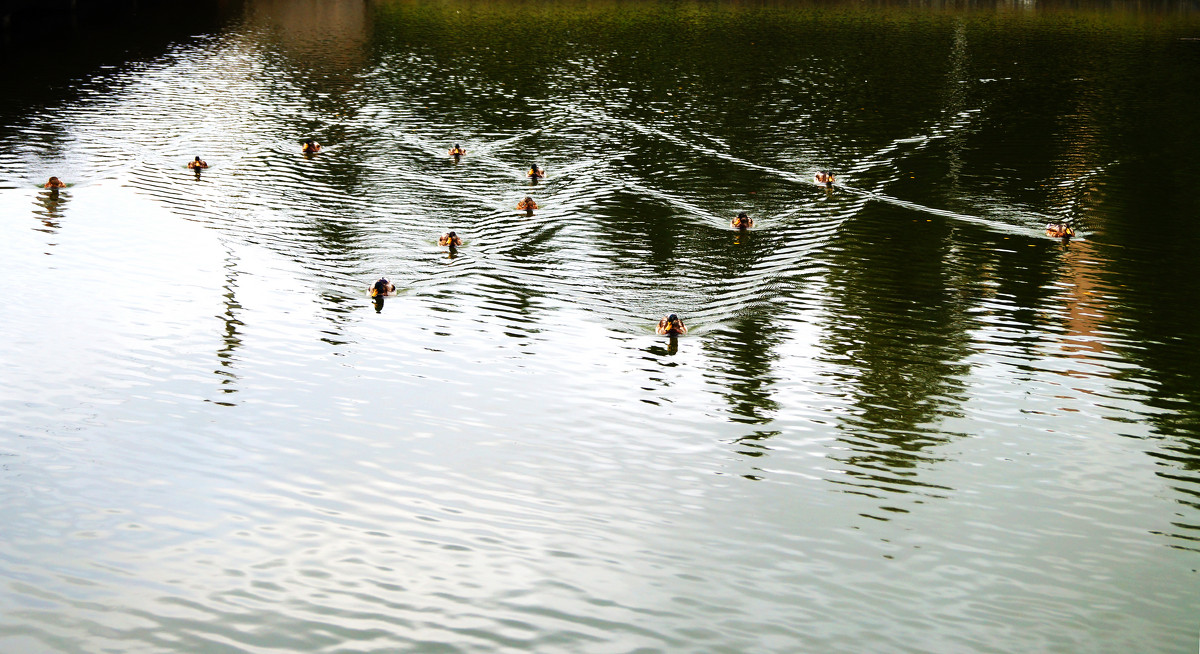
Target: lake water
{"type": "Point", "coordinates": [903, 420]}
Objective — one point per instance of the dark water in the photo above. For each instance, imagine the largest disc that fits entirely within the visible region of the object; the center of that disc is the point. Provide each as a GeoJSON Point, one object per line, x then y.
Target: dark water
{"type": "Point", "coordinates": [903, 420]}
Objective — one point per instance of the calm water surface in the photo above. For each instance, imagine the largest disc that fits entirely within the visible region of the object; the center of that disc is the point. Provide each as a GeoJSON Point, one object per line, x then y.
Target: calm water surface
{"type": "Point", "coordinates": [904, 420]}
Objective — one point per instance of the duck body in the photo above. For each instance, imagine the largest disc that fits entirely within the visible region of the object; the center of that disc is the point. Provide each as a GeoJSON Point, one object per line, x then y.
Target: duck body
{"type": "Point", "coordinates": [671, 325]}
{"type": "Point", "coordinates": [382, 287]}
{"type": "Point", "coordinates": [1059, 230]}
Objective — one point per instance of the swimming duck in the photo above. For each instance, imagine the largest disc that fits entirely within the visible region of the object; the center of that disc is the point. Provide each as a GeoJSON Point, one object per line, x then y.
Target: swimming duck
{"type": "Point", "coordinates": [382, 287]}
{"type": "Point", "coordinates": [1059, 230]}
{"type": "Point", "coordinates": [672, 325]}
{"type": "Point", "coordinates": [527, 205]}
{"type": "Point", "coordinates": [742, 221]}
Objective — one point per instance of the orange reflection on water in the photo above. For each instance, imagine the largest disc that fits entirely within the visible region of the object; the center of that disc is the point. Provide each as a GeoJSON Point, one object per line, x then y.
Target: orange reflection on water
{"type": "Point", "coordinates": [1084, 303]}
{"type": "Point", "coordinates": [328, 35]}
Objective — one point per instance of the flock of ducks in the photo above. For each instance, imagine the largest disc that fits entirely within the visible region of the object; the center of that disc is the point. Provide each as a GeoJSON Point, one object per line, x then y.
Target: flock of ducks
{"type": "Point", "coordinates": [671, 325]}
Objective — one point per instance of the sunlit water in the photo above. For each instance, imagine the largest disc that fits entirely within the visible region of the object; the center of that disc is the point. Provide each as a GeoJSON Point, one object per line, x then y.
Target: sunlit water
{"type": "Point", "coordinates": [903, 419]}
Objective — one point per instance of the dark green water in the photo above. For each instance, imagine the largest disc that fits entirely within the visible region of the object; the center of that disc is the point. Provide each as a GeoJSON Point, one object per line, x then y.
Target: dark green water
{"type": "Point", "coordinates": [903, 418]}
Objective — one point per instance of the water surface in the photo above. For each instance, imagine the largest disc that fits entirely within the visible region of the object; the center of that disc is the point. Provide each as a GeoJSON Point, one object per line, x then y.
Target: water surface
{"type": "Point", "coordinates": [903, 419]}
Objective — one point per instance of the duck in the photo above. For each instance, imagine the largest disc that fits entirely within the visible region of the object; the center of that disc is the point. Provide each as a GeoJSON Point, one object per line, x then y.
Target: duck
{"type": "Point", "coordinates": [382, 287]}
{"type": "Point", "coordinates": [527, 205]}
{"type": "Point", "coordinates": [1059, 230]}
{"type": "Point", "coordinates": [671, 325]}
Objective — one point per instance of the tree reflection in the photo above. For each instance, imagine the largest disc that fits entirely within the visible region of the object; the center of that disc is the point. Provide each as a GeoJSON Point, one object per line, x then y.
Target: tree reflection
{"type": "Point", "coordinates": [635, 225]}
{"type": "Point", "coordinates": [231, 338]}
{"type": "Point", "coordinates": [896, 332]}
{"type": "Point", "coordinates": [743, 353]}
{"type": "Point", "coordinates": [1150, 299]}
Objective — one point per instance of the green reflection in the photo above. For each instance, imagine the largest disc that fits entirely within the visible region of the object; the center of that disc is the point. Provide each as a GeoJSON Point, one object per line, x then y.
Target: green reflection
{"type": "Point", "coordinates": [744, 353]}
{"type": "Point", "coordinates": [897, 334]}
{"type": "Point", "coordinates": [232, 335]}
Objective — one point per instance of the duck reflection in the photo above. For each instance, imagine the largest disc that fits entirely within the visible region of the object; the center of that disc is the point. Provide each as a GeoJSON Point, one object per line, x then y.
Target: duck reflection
{"type": "Point", "coordinates": [52, 202]}
{"type": "Point", "coordinates": [670, 350]}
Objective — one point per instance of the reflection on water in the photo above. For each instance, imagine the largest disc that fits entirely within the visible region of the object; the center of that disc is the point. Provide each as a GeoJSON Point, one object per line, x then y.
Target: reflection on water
{"type": "Point", "coordinates": [899, 331]}
{"type": "Point", "coordinates": [947, 416]}
{"type": "Point", "coordinates": [743, 353]}
{"type": "Point", "coordinates": [227, 354]}
{"type": "Point", "coordinates": [52, 202]}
